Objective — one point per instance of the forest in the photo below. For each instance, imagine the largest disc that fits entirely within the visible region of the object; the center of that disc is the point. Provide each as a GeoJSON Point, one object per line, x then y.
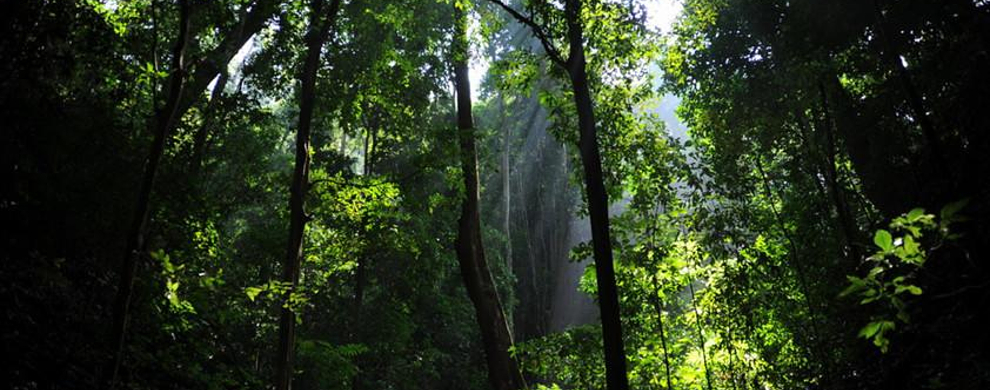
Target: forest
{"type": "Point", "coordinates": [495, 194]}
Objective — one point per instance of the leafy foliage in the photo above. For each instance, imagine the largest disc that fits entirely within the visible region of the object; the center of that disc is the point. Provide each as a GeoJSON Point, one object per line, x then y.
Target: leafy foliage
{"type": "Point", "coordinates": [779, 231]}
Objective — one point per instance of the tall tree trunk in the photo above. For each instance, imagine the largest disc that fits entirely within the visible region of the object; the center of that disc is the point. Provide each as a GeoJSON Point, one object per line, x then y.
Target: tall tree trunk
{"type": "Point", "coordinates": [506, 183]}
{"type": "Point", "coordinates": [182, 94]}
{"type": "Point", "coordinates": [663, 335]}
{"type": "Point", "coordinates": [162, 123]}
{"type": "Point", "coordinates": [503, 372]}
{"type": "Point", "coordinates": [818, 348]}
{"type": "Point", "coordinates": [891, 188]}
{"type": "Point", "coordinates": [361, 273]}
{"type": "Point", "coordinates": [608, 297]}
{"type": "Point", "coordinates": [795, 262]}
{"type": "Point", "coordinates": [655, 296]}
{"type": "Point", "coordinates": [701, 335]}
{"type": "Point", "coordinates": [320, 22]}
{"type": "Point", "coordinates": [846, 221]}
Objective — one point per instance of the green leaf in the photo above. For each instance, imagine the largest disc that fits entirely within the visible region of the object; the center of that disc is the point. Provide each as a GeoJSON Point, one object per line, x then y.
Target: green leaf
{"type": "Point", "coordinates": [914, 290]}
{"type": "Point", "coordinates": [884, 240]}
{"type": "Point", "coordinates": [870, 329]}
{"type": "Point", "coordinates": [252, 292]}
{"type": "Point", "coordinates": [915, 213]}
{"type": "Point", "coordinates": [876, 329]}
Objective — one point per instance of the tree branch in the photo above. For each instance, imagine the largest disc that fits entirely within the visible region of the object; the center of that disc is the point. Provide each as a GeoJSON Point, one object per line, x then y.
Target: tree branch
{"type": "Point", "coordinates": [210, 65]}
{"type": "Point", "coordinates": [538, 32]}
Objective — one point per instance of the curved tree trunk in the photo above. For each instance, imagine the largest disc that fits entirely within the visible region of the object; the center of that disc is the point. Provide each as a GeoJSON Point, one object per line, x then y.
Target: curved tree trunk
{"type": "Point", "coordinates": [211, 64]}
{"type": "Point", "coordinates": [162, 123]}
{"type": "Point", "coordinates": [182, 94]}
{"type": "Point", "coordinates": [319, 26]}
{"type": "Point", "coordinates": [503, 372]}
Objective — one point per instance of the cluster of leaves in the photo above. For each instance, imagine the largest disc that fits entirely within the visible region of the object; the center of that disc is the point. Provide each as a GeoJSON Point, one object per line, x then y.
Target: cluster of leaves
{"type": "Point", "coordinates": [895, 263]}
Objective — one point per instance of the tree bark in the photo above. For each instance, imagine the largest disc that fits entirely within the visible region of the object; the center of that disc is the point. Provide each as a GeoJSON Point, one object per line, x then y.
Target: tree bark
{"type": "Point", "coordinates": [663, 336]}
{"type": "Point", "coordinates": [701, 335]}
{"type": "Point", "coordinates": [319, 27]}
{"type": "Point", "coordinates": [506, 183]}
{"type": "Point", "coordinates": [891, 188]}
{"type": "Point", "coordinates": [608, 297]}
{"type": "Point", "coordinates": [503, 372]}
{"type": "Point", "coordinates": [210, 65]}
{"type": "Point", "coordinates": [846, 221]}
{"type": "Point", "coordinates": [181, 95]}
{"type": "Point", "coordinates": [162, 123]}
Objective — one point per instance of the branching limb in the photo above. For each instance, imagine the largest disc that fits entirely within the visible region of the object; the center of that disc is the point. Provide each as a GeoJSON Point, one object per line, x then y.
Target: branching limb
{"type": "Point", "coordinates": [538, 31]}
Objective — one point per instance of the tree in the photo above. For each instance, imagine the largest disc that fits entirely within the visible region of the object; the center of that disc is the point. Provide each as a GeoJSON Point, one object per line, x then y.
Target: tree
{"type": "Point", "coordinates": [809, 210]}
{"type": "Point", "coordinates": [503, 373]}
{"type": "Point", "coordinates": [161, 123]}
{"type": "Point", "coordinates": [321, 21]}
{"type": "Point", "coordinates": [575, 66]}
{"type": "Point", "coordinates": [181, 93]}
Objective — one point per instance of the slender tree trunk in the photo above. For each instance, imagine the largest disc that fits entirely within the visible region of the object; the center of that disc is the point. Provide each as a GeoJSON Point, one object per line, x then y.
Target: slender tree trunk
{"type": "Point", "coordinates": [503, 373]}
{"type": "Point", "coordinates": [361, 274]}
{"type": "Point", "coordinates": [506, 183]}
{"type": "Point", "coordinates": [202, 134]}
{"type": "Point", "coordinates": [163, 122]}
{"type": "Point", "coordinates": [794, 260]}
{"type": "Point", "coordinates": [182, 94]}
{"type": "Point", "coordinates": [608, 297]}
{"type": "Point", "coordinates": [655, 297]}
{"type": "Point", "coordinates": [701, 335]}
{"type": "Point", "coordinates": [364, 154]}
{"type": "Point", "coordinates": [320, 23]}
{"type": "Point", "coordinates": [663, 336]}
{"type": "Point", "coordinates": [818, 348]}
{"type": "Point", "coordinates": [732, 362]}
{"type": "Point", "coordinates": [846, 221]}
{"type": "Point", "coordinates": [811, 145]}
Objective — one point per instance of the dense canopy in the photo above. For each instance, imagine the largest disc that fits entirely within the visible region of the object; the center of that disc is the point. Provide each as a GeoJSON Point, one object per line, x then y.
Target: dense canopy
{"type": "Point", "coordinates": [495, 194]}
